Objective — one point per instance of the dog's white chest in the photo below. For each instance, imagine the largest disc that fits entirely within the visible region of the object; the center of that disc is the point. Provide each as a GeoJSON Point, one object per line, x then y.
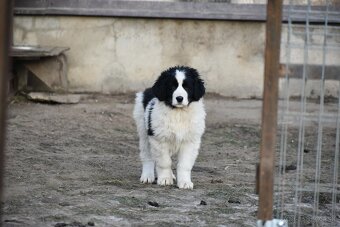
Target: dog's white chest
{"type": "Point", "coordinates": [179, 125]}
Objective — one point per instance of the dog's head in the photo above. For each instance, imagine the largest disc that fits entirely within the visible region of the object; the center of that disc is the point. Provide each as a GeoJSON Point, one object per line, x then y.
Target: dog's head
{"type": "Point", "coordinates": [179, 86]}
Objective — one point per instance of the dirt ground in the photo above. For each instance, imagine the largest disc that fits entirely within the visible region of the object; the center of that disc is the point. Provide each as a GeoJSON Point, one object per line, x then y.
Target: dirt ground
{"type": "Point", "coordinates": [78, 165]}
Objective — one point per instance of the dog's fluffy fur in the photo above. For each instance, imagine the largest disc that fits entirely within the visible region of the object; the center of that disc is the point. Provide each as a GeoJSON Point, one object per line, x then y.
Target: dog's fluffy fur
{"type": "Point", "coordinates": [170, 119]}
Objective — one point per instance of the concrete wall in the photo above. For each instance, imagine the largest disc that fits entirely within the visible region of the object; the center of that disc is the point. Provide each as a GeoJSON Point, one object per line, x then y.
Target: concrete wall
{"type": "Point", "coordinates": [119, 55]}
{"type": "Point", "coordinates": [114, 55]}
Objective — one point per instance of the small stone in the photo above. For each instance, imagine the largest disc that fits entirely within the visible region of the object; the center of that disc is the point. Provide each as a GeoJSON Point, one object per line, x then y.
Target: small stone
{"type": "Point", "coordinates": [214, 181]}
{"type": "Point", "coordinates": [60, 225]}
{"type": "Point", "coordinates": [64, 204]}
{"type": "Point", "coordinates": [234, 201]}
{"type": "Point", "coordinates": [90, 223]}
{"type": "Point", "coordinates": [154, 204]}
{"type": "Point", "coordinates": [77, 224]}
{"type": "Point", "coordinates": [288, 168]}
{"type": "Point", "coordinates": [306, 150]}
{"type": "Point", "coordinates": [204, 203]}
{"type": "Point", "coordinates": [291, 167]}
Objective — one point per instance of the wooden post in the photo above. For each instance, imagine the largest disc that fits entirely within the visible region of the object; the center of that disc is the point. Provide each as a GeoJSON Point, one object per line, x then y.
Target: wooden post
{"type": "Point", "coordinates": [5, 37]}
{"type": "Point", "coordinates": [269, 109]}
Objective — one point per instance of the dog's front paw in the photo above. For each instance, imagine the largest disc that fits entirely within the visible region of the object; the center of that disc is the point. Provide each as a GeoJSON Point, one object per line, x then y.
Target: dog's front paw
{"type": "Point", "coordinates": [165, 181]}
{"type": "Point", "coordinates": [147, 179]}
{"type": "Point", "coordinates": [185, 185]}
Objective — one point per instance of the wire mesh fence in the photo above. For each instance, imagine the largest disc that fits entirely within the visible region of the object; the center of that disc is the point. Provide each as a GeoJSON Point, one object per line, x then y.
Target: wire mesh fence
{"type": "Point", "coordinates": [307, 179]}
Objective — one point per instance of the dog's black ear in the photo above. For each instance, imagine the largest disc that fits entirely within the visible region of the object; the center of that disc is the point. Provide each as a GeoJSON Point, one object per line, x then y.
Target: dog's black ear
{"type": "Point", "coordinates": [199, 89]}
{"type": "Point", "coordinates": [159, 88]}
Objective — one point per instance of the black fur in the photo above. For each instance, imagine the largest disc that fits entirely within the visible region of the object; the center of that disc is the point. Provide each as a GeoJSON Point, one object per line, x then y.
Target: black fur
{"type": "Point", "coordinates": [196, 89]}
{"type": "Point", "coordinates": [150, 130]}
{"type": "Point", "coordinates": [166, 84]}
{"type": "Point", "coordinates": [147, 96]}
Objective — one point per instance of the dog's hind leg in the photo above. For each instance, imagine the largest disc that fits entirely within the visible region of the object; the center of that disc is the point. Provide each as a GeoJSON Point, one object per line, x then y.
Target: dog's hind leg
{"type": "Point", "coordinates": [148, 171]}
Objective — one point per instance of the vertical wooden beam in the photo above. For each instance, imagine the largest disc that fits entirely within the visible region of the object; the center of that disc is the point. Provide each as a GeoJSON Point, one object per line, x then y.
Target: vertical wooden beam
{"type": "Point", "coordinates": [5, 37]}
{"type": "Point", "coordinates": [269, 109]}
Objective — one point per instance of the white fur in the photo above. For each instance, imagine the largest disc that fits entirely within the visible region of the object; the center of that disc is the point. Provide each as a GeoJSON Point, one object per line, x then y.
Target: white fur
{"type": "Point", "coordinates": [176, 131]}
{"type": "Point", "coordinates": [180, 91]}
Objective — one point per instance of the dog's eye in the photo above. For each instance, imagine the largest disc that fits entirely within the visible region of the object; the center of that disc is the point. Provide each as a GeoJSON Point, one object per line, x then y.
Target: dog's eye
{"type": "Point", "coordinates": [174, 84]}
{"type": "Point", "coordinates": [185, 85]}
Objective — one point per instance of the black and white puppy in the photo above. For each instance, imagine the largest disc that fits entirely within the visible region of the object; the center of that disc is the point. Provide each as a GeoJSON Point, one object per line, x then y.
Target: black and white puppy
{"type": "Point", "coordinates": [170, 119]}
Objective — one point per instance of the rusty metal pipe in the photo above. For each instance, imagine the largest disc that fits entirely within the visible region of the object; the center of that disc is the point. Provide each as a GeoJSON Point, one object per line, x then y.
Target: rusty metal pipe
{"type": "Point", "coordinates": [269, 109]}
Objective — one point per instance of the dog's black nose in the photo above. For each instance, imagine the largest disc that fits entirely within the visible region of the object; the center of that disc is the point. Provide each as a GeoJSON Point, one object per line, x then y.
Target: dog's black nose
{"type": "Point", "coordinates": [179, 98]}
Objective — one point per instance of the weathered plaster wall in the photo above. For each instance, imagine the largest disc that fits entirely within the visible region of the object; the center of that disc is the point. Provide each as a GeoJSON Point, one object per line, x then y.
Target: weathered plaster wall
{"type": "Point", "coordinates": [120, 55]}
{"type": "Point", "coordinates": [113, 55]}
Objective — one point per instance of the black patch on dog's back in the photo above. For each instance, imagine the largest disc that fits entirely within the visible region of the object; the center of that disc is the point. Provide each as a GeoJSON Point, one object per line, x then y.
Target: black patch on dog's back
{"type": "Point", "coordinates": [147, 96]}
{"type": "Point", "coordinates": [150, 131]}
